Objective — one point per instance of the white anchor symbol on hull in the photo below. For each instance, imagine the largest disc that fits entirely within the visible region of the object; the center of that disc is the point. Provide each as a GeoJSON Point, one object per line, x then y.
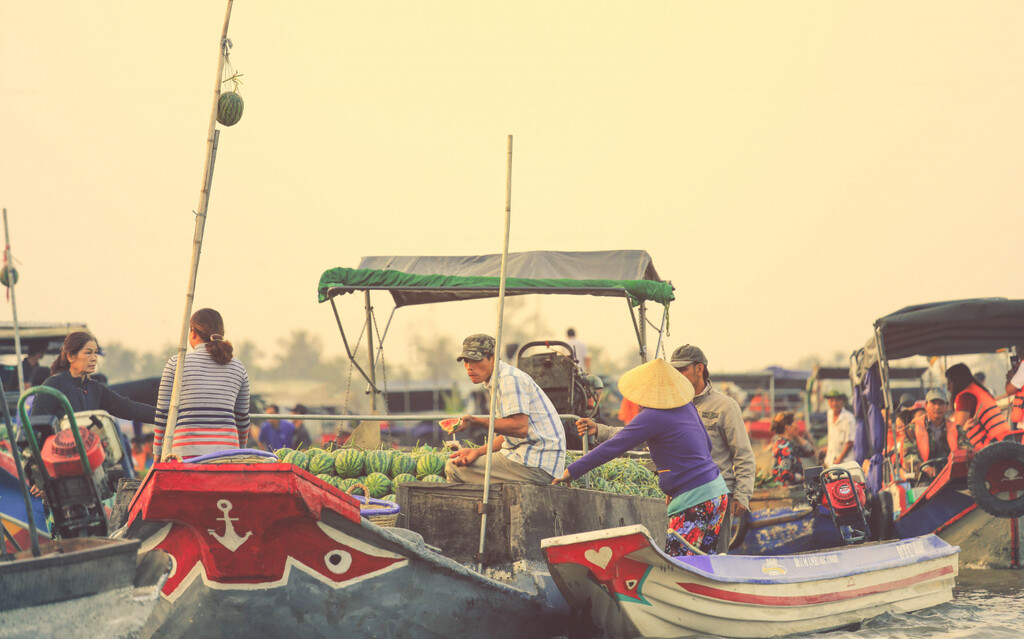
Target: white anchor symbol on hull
{"type": "Point", "coordinates": [230, 538]}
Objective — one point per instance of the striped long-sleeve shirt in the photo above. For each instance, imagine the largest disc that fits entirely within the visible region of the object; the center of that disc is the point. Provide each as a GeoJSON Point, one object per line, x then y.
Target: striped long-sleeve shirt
{"type": "Point", "coordinates": [544, 444]}
{"type": "Point", "coordinates": [213, 410]}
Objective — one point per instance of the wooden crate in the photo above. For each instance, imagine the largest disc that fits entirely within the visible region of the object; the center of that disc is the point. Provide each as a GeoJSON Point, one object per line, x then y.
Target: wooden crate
{"type": "Point", "coordinates": [447, 516]}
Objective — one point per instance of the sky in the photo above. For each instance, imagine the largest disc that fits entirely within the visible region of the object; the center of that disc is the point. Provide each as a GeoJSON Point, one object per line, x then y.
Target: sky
{"type": "Point", "coordinates": [795, 169]}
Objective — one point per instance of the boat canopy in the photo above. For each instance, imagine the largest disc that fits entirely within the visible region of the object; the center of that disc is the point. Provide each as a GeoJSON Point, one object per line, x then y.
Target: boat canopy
{"type": "Point", "coordinates": [958, 327]}
{"type": "Point", "coordinates": [430, 279]}
{"type": "Point", "coordinates": [49, 334]}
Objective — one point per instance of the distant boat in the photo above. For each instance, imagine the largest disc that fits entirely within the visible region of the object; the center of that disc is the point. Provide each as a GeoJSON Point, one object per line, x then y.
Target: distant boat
{"type": "Point", "coordinates": [88, 587]}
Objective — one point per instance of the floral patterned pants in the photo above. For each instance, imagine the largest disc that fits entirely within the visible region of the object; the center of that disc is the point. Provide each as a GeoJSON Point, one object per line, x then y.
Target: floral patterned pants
{"type": "Point", "coordinates": [700, 525]}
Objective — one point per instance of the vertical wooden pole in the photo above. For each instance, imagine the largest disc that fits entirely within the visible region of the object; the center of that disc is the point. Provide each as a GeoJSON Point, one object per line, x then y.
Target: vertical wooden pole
{"type": "Point", "coordinates": [14, 304]}
{"type": "Point", "coordinates": [497, 359]}
{"type": "Point", "coordinates": [369, 351]}
{"type": "Point", "coordinates": [197, 242]}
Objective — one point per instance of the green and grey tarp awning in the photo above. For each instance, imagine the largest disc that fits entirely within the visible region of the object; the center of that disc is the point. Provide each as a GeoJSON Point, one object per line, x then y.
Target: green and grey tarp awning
{"type": "Point", "coordinates": [958, 327]}
{"type": "Point", "coordinates": [430, 279]}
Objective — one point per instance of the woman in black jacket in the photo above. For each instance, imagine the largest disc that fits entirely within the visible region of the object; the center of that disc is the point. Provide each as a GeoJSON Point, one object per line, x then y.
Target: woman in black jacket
{"type": "Point", "coordinates": [70, 375]}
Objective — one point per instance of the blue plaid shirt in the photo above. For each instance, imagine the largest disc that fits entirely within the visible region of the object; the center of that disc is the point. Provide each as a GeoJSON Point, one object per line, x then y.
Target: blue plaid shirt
{"type": "Point", "coordinates": [544, 444]}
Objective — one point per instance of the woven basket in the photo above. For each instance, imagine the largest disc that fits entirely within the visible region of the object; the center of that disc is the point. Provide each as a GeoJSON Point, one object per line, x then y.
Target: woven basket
{"type": "Point", "coordinates": [388, 516]}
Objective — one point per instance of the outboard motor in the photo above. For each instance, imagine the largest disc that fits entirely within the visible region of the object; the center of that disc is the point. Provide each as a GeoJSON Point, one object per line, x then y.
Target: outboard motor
{"type": "Point", "coordinates": [73, 469]}
{"type": "Point", "coordinates": [840, 492]}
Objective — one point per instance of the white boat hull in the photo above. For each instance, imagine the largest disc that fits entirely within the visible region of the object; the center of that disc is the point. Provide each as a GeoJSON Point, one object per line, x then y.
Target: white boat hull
{"type": "Point", "coordinates": [633, 589]}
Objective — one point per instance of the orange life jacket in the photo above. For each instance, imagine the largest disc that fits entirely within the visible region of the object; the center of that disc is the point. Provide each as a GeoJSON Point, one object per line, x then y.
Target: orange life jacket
{"type": "Point", "coordinates": [1017, 407]}
{"type": "Point", "coordinates": [989, 423]}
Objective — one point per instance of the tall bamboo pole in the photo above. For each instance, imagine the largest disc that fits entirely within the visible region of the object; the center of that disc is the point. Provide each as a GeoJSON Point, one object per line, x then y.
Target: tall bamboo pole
{"type": "Point", "coordinates": [14, 304]}
{"type": "Point", "coordinates": [197, 242]}
{"type": "Point", "coordinates": [497, 360]}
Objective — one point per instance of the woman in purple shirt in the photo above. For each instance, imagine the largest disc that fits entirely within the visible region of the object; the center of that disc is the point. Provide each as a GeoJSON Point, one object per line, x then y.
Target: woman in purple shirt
{"type": "Point", "coordinates": [697, 495]}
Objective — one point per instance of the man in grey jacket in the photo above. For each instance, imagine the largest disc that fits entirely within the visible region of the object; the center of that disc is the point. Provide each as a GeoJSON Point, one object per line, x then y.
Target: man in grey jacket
{"type": "Point", "coordinates": [730, 444]}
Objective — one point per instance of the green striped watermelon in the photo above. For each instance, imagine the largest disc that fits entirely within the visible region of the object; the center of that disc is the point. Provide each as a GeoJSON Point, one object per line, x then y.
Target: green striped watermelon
{"type": "Point", "coordinates": [348, 462]}
{"type": "Point", "coordinates": [229, 108]}
{"type": "Point", "coordinates": [430, 464]}
{"type": "Point", "coordinates": [434, 479]}
{"type": "Point", "coordinates": [324, 477]}
{"type": "Point", "coordinates": [390, 497]}
{"type": "Point", "coordinates": [377, 461]}
{"type": "Point", "coordinates": [404, 477]}
{"type": "Point", "coordinates": [298, 458]}
{"type": "Point", "coordinates": [345, 484]}
{"type": "Point", "coordinates": [403, 464]}
{"type": "Point", "coordinates": [322, 464]}
{"type": "Point", "coordinates": [313, 452]}
{"type": "Point", "coordinates": [378, 484]}
{"type": "Point", "coordinates": [283, 452]}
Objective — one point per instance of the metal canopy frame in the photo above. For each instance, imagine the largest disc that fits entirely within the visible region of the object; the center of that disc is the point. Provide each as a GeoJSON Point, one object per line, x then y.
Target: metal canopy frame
{"type": "Point", "coordinates": [637, 315]}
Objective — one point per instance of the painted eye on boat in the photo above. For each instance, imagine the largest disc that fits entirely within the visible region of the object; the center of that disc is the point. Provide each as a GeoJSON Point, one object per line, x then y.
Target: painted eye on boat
{"type": "Point", "coordinates": [338, 561]}
{"type": "Point", "coordinates": [631, 584]}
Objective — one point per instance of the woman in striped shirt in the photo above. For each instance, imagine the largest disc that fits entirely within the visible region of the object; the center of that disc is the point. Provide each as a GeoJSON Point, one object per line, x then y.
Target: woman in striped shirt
{"type": "Point", "coordinates": [213, 409]}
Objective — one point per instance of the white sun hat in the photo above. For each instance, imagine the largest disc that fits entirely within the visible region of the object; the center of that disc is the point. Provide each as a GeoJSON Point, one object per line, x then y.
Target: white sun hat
{"type": "Point", "coordinates": [656, 384]}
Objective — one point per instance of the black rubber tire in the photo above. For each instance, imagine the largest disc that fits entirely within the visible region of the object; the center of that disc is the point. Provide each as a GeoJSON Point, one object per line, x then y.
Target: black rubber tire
{"type": "Point", "coordinates": [739, 530]}
{"type": "Point", "coordinates": [977, 478]}
{"type": "Point", "coordinates": [881, 520]}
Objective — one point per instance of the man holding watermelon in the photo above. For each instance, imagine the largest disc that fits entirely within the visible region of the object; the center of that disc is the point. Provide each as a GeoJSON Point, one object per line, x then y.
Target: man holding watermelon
{"type": "Point", "coordinates": [529, 443]}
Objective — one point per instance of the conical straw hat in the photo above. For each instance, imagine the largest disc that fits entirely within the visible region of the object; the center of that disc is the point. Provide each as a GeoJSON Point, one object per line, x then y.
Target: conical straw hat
{"type": "Point", "coordinates": [656, 385]}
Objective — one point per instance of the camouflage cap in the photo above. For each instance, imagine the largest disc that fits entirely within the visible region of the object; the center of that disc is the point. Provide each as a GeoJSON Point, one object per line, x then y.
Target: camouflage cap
{"type": "Point", "coordinates": [476, 347]}
{"type": "Point", "coordinates": [686, 355]}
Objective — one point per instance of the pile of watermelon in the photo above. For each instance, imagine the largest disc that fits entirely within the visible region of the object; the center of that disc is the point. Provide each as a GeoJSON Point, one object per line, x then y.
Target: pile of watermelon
{"type": "Point", "coordinates": [352, 469]}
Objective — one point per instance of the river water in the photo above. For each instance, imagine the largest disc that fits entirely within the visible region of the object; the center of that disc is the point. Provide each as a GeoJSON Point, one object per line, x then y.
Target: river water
{"type": "Point", "coordinates": [987, 604]}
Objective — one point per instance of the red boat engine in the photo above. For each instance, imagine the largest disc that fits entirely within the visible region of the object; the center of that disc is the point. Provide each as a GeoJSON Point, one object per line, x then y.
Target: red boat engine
{"type": "Point", "coordinates": [60, 455]}
{"type": "Point", "coordinates": [843, 496]}
{"type": "Point", "coordinates": [74, 498]}
{"type": "Point", "coordinates": [847, 497]}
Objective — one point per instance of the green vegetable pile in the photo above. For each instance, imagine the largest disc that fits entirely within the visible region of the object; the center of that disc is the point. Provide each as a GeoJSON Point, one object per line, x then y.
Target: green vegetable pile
{"type": "Point", "coordinates": [624, 476]}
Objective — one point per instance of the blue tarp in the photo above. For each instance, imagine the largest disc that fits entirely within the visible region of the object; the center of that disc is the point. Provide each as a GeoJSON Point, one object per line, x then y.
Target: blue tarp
{"type": "Point", "coordinates": [869, 440]}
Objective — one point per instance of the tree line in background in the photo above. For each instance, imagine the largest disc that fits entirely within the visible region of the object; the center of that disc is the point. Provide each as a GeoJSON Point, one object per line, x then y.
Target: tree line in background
{"type": "Point", "coordinates": [300, 357]}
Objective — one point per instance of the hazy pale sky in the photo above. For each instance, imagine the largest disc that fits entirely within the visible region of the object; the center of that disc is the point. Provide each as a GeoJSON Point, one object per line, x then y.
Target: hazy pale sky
{"type": "Point", "coordinates": [796, 169]}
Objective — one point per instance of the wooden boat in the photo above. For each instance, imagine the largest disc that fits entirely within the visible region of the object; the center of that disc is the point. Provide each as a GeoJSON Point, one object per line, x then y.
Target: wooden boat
{"type": "Point", "coordinates": [12, 505]}
{"type": "Point", "coordinates": [88, 587]}
{"type": "Point", "coordinates": [632, 589]}
{"type": "Point", "coordinates": [266, 549]}
{"type": "Point", "coordinates": [977, 500]}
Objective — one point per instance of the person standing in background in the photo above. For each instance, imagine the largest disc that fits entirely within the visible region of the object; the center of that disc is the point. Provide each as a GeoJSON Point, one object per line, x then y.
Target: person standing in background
{"type": "Point", "coordinates": [301, 438]}
{"type": "Point", "coordinates": [579, 349]}
{"type": "Point", "coordinates": [28, 366]}
{"type": "Point", "coordinates": [841, 428]}
{"type": "Point", "coordinates": [276, 433]}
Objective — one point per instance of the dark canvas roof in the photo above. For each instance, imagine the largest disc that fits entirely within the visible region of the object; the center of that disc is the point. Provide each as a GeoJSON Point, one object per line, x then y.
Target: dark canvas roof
{"type": "Point", "coordinates": [956, 327]}
{"type": "Point", "coordinates": [429, 279]}
{"type": "Point", "coordinates": [50, 334]}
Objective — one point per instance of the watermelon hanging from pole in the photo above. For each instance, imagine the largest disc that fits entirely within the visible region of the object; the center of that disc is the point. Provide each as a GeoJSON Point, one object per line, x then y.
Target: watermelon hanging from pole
{"type": "Point", "coordinates": [8, 275]}
{"type": "Point", "coordinates": [229, 108]}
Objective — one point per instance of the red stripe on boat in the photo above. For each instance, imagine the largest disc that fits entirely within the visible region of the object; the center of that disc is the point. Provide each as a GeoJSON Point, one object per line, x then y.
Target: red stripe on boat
{"type": "Point", "coordinates": [769, 600]}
